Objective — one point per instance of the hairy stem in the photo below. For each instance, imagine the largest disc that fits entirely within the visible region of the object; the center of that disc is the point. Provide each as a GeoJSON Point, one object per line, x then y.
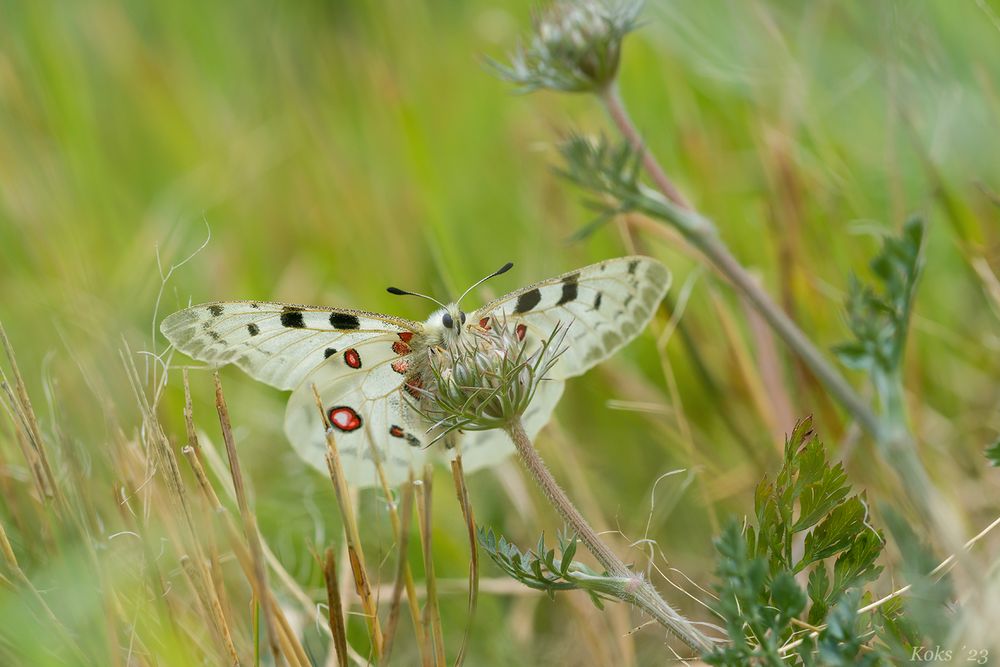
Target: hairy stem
{"type": "Point", "coordinates": [639, 592]}
{"type": "Point", "coordinates": [703, 237]}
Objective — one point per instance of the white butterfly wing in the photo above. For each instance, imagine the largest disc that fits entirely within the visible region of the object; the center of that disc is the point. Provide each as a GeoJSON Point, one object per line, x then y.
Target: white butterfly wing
{"type": "Point", "coordinates": [485, 448]}
{"type": "Point", "coordinates": [603, 306]}
{"type": "Point", "coordinates": [275, 343]}
{"type": "Point", "coordinates": [368, 412]}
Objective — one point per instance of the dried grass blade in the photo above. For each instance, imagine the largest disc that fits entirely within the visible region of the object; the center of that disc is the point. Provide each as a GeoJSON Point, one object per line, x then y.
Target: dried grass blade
{"type": "Point", "coordinates": [249, 522]}
{"type": "Point", "coordinates": [351, 533]}
{"type": "Point", "coordinates": [432, 613]}
{"type": "Point", "coordinates": [404, 577]}
{"type": "Point", "coordinates": [333, 600]}
{"type": "Point", "coordinates": [462, 491]}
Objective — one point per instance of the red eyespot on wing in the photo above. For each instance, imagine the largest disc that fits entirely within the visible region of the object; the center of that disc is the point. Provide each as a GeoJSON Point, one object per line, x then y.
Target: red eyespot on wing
{"type": "Point", "coordinates": [405, 336]}
{"type": "Point", "coordinates": [400, 348]}
{"type": "Point", "coordinates": [400, 366]}
{"type": "Point", "coordinates": [344, 418]}
{"type": "Point", "coordinates": [484, 323]}
{"type": "Point", "coordinates": [352, 358]}
{"type": "Point", "coordinates": [520, 330]}
{"type": "Point", "coordinates": [396, 431]}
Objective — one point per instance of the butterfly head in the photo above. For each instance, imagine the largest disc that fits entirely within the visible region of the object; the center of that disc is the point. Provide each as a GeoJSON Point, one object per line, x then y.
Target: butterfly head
{"type": "Point", "coordinates": [447, 323]}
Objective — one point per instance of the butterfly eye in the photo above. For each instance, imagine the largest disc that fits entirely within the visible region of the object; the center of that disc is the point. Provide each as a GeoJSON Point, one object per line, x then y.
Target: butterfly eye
{"type": "Point", "coordinates": [462, 317]}
{"type": "Point", "coordinates": [447, 321]}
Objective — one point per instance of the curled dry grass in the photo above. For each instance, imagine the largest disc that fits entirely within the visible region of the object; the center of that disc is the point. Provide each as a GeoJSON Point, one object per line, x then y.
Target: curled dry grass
{"type": "Point", "coordinates": [235, 603]}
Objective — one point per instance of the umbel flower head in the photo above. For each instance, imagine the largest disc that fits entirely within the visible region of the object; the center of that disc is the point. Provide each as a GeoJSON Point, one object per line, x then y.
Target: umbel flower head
{"type": "Point", "coordinates": [575, 47]}
{"type": "Point", "coordinates": [489, 382]}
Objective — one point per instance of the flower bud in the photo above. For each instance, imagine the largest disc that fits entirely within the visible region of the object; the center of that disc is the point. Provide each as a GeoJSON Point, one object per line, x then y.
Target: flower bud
{"type": "Point", "coordinates": [486, 381]}
{"type": "Point", "coordinates": [576, 46]}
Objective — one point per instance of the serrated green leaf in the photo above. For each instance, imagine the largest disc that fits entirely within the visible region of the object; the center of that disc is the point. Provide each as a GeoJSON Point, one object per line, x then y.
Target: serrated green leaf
{"type": "Point", "coordinates": [819, 584]}
{"type": "Point", "coordinates": [835, 532]}
{"type": "Point", "coordinates": [856, 566]}
{"type": "Point", "coordinates": [763, 495]}
{"type": "Point", "coordinates": [822, 487]}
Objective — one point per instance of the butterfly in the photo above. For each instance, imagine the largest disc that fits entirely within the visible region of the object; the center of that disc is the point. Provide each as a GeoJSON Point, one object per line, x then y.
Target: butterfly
{"type": "Point", "coordinates": [364, 365]}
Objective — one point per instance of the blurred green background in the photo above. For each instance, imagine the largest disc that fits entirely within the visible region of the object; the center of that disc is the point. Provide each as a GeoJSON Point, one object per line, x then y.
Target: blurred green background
{"type": "Point", "coordinates": [334, 148]}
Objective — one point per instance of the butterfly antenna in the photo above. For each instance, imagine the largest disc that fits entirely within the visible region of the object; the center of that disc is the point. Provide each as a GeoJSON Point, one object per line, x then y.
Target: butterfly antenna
{"type": "Point", "coordinates": [503, 269]}
{"type": "Point", "coordinates": [401, 292]}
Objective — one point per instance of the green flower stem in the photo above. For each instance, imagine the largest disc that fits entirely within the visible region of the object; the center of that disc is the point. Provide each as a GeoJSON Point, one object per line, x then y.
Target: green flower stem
{"type": "Point", "coordinates": [636, 590]}
{"type": "Point", "coordinates": [701, 235]}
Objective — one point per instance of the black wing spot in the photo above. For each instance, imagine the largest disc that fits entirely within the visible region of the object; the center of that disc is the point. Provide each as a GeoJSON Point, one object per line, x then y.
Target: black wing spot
{"type": "Point", "coordinates": [292, 318]}
{"type": "Point", "coordinates": [253, 329]}
{"type": "Point", "coordinates": [633, 265]}
{"type": "Point", "coordinates": [569, 290]}
{"type": "Point", "coordinates": [344, 321]}
{"type": "Point", "coordinates": [329, 352]}
{"type": "Point", "coordinates": [527, 301]}
{"type": "Point", "coordinates": [597, 300]}
{"type": "Point", "coordinates": [255, 305]}
{"type": "Point", "coordinates": [216, 310]}
{"type": "Point", "coordinates": [214, 334]}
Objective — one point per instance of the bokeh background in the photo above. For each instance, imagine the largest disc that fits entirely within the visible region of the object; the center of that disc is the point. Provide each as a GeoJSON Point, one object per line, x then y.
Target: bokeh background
{"type": "Point", "coordinates": [333, 148]}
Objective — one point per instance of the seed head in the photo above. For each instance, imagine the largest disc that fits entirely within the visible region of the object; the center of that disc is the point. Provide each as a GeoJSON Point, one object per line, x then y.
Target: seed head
{"type": "Point", "coordinates": [575, 47]}
{"type": "Point", "coordinates": [488, 381]}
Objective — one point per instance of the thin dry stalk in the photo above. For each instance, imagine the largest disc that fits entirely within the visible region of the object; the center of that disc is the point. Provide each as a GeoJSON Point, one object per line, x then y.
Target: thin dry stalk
{"type": "Point", "coordinates": [640, 592]}
{"type": "Point", "coordinates": [308, 606]}
{"type": "Point", "coordinates": [23, 441]}
{"type": "Point", "coordinates": [202, 578]}
{"type": "Point", "coordinates": [743, 364]}
{"type": "Point", "coordinates": [462, 491]}
{"type": "Point", "coordinates": [196, 582]}
{"type": "Point", "coordinates": [402, 569]}
{"type": "Point", "coordinates": [432, 613]}
{"type": "Point", "coordinates": [192, 451]}
{"type": "Point", "coordinates": [249, 523]}
{"type": "Point", "coordinates": [352, 535]}
{"type": "Point", "coordinates": [334, 605]}
{"type": "Point", "coordinates": [722, 259]}
{"type": "Point", "coordinates": [27, 413]}
{"type": "Point", "coordinates": [396, 530]}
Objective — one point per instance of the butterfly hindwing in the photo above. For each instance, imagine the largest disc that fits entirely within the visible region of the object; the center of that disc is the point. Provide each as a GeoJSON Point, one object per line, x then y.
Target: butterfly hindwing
{"type": "Point", "coordinates": [368, 412]}
{"type": "Point", "coordinates": [601, 306]}
{"type": "Point", "coordinates": [275, 343]}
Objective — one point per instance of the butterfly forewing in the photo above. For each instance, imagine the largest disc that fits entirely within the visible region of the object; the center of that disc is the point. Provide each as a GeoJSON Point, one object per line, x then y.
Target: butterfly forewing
{"type": "Point", "coordinates": [601, 306]}
{"type": "Point", "coordinates": [275, 343]}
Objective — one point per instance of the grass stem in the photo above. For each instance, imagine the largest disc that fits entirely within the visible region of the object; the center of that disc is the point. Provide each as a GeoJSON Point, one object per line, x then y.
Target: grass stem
{"type": "Point", "coordinates": [640, 592]}
{"type": "Point", "coordinates": [703, 237]}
